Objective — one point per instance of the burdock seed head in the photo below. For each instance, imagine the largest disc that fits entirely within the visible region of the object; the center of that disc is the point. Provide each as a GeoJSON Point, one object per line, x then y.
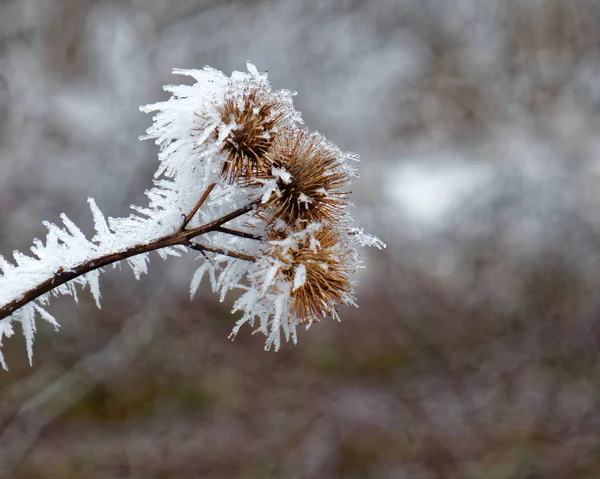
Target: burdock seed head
{"type": "Point", "coordinates": [309, 190]}
{"type": "Point", "coordinates": [255, 118]}
{"type": "Point", "coordinates": [319, 269]}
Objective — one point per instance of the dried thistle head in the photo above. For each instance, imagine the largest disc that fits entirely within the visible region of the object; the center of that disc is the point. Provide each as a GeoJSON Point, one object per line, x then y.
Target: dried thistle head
{"type": "Point", "coordinates": [309, 177]}
{"type": "Point", "coordinates": [255, 120]}
{"type": "Point", "coordinates": [296, 253]}
{"type": "Point", "coordinates": [318, 268]}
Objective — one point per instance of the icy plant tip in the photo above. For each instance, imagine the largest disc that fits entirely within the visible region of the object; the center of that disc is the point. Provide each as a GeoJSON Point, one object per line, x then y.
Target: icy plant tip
{"type": "Point", "coordinates": [263, 201]}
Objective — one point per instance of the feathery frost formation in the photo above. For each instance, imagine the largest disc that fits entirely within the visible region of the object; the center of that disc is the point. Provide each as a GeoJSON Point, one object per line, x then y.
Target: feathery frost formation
{"type": "Point", "coordinates": [263, 201]}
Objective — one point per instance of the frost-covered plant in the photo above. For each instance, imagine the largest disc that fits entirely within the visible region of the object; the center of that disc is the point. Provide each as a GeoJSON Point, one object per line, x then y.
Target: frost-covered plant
{"type": "Point", "coordinates": [263, 201]}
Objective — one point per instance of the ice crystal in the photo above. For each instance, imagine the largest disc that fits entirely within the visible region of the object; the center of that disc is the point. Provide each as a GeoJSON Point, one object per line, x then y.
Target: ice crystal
{"type": "Point", "coordinates": [263, 202]}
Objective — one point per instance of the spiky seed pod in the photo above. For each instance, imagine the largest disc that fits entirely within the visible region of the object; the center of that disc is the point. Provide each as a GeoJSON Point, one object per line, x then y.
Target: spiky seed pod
{"type": "Point", "coordinates": [313, 174]}
{"type": "Point", "coordinates": [319, 269]}
{"type": "Point", "coordinates": [255, 119]}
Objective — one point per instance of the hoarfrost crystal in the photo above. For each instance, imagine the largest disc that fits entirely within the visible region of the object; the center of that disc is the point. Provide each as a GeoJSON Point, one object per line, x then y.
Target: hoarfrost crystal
{"type": "Point", "coordinates": [263, 201]}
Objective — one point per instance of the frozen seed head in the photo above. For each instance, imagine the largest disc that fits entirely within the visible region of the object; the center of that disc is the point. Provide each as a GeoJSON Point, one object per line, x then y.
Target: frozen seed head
{"type": "Point", "coordinates": [266, 200]}
{"type": "Point", "coordinates": [295, 256]}
{"type": "Point", "coordinates": [309, 191]}
{"type": "Point", "coordinates": [318, 270]}
{"type": "Point", "coordinates": [255, 119]}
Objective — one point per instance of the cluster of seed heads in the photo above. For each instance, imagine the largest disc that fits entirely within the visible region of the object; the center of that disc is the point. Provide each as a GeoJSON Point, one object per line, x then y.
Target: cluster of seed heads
{"type": "Point", "coordinates": [265, 202]}
{"type": "Point", "coordinates": [264, 145]}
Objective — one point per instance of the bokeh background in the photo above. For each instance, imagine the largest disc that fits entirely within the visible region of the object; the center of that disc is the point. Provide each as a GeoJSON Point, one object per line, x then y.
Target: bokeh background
{"type": "Point", "coordinates": [474, 353]}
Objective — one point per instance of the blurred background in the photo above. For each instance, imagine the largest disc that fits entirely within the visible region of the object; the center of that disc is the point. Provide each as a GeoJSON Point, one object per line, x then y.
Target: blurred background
{"type": "Point", "coordinates": [474, 353]}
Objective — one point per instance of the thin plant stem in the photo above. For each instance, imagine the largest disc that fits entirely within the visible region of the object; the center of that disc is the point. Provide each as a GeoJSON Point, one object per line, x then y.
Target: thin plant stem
{"type": "Point", "coordinates": [181, 237]}
{"type": "Point", "coordinates": [204, 197]}
{"type": "Point", "coordinates": [241, 234]}
{"type": "Point", "coordinates": [233, 254]}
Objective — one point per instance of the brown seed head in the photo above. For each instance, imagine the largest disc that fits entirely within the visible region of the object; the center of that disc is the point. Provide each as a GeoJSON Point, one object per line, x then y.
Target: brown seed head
{"type": "Point", "coordinates": [327, 271]}
{"type": "Point", "coordinates": [256, 119]}
{"type": "Point", "coordinates": [312, 193]}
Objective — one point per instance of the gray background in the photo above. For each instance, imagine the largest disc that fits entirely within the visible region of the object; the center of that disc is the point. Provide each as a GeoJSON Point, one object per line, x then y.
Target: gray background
{"type": "Point", "coordinates": [474, 353]}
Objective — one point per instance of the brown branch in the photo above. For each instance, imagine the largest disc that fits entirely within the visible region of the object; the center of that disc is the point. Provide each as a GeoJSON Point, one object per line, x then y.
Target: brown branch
{"type": "Point", "coordinates": [233, 254]}
{"type": "Point", "coordinates": [241, 234]}
{"type": "Point", "coordinates": [174, 239]}
{"type": "Point", "coordinates": [214, 225]}
{"type": "Point", "coordinates": [204, 197]}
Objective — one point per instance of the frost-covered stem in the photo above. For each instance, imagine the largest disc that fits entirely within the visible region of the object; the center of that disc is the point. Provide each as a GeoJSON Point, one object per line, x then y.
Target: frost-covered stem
{"type": "Point", "coordinates": [233, 254]}
{"type": "Point", "coordinates": [181, 237]}
{"type": "Point", "coordinates": [241, 234]}
{"type": "Point", "coordinates": [204, 197]}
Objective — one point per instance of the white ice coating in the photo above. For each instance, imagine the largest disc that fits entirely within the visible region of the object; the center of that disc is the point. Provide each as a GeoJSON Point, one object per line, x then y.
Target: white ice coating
{"type": "Point", "coordinates": [190, 134]}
